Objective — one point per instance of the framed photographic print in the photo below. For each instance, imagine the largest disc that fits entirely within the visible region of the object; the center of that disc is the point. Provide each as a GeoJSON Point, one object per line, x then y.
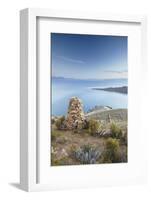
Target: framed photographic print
{"type": "Point", "coordinates": [81, 91]}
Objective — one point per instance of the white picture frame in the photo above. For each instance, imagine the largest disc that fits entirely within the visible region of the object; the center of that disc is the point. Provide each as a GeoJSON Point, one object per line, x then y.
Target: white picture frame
{"type": "Point", "coordinates": [29, 148]}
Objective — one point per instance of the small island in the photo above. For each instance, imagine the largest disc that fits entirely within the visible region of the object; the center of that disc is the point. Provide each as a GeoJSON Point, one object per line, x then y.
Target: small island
{"type": "Point", "coordinates": [123, 89]}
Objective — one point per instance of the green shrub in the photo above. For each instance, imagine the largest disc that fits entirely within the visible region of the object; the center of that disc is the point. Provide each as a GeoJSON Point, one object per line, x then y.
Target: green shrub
{"type": "Point", "coordinates": [123, 156]}
{"type": "Point", "coordinates": [111, 152]}
{"type": "Point", "coordinates": [94, 126]}
{"type": "Point", "coordinates": [60, 123]}
{"type": "Point", "coordinates": [62, 161]}
{"type": "Point", "coordinates": [55, 134]}
{"type": "Point", "coordinates": [124, 139]}
{"type": "Point", "coordinates": [116, 131]}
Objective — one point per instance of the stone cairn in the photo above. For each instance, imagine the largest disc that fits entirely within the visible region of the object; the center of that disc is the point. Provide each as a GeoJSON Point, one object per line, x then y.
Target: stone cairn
{"type": "Point", "coordinates": [75, 118]}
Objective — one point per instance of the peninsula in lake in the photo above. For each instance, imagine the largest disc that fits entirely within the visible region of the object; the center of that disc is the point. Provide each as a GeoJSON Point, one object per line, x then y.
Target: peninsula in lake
{"type": "Point", "coordinates": [89, 107]}
{"type": "Point", "coordinates": [123, 89]}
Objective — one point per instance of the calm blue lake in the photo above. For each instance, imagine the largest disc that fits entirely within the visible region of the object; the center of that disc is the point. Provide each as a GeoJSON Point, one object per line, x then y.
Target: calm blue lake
{"type": "Point", "coordinates": [63, 89]}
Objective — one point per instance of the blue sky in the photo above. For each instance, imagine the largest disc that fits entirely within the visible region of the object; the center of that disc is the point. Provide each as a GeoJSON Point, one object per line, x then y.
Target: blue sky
{"type": "Point", "coordinates": [89, 56]}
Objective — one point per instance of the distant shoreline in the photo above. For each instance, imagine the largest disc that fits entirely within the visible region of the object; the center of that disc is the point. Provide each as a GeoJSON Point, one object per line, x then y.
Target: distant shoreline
{"type": "Point", "coordinates": [122, 90]}
{"type": "Point", "coordinates": [86, 79]}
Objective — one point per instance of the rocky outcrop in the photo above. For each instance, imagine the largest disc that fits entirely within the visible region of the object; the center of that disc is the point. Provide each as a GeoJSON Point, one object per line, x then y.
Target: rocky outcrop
{"type": "Point", "coordinates": [75, 118]}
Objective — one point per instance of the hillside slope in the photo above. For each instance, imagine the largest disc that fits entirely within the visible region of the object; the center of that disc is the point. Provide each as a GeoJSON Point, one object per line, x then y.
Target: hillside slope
{"type": "Point", "coordinates": [119, 116]}
{"type": "Point", "coordinates": [113, 114]}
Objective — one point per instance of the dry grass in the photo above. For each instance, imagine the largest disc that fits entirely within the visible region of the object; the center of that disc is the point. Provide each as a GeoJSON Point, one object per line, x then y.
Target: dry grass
{"type": "Point", "coordinates": [63, 142]}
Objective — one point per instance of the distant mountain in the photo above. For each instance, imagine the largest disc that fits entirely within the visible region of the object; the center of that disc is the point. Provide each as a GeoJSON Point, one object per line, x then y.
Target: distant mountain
{"type": "Point", "coordinates": [58, 77]}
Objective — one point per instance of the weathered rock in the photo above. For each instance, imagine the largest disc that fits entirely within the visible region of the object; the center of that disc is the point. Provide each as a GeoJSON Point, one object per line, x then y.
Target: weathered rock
{"type": "Point", "coordinates": [75, 117]}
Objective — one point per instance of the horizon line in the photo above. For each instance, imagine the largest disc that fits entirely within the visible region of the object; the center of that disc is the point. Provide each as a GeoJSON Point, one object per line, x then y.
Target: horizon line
{"type": "Point", "coordinates": [61, 77]}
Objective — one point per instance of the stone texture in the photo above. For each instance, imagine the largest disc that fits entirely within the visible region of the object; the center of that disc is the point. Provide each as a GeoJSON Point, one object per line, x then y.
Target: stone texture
{"type": "Point", "coordinates": [75, 118]}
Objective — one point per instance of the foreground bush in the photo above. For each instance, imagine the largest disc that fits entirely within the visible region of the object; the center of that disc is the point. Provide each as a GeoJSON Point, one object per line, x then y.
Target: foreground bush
{"type": "Point", "coordinates": [86, 126]}
{"type": "Point", "coordinates": [55, 134]}
{"type": "Point", "coordinates": [123, 156]}
{"type": "Point", "coordinates": [60, 123]}
{"type": "Point", "coordinates": [116, 131]}
{"type": "Point", "coordinates": [94, 126]}
{"type": "Point", "coordinates": [87, 154]}
{"type": "Point", "coordinates": [124, 139]}
{"type": "Point", "coordinates": [62, 161]}
{"type": "Point", "coordinates": [111, 152]}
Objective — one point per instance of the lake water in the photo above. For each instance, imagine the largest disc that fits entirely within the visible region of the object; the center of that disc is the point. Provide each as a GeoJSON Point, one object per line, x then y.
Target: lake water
{"type": "Point", "coordinates": [64, 89]}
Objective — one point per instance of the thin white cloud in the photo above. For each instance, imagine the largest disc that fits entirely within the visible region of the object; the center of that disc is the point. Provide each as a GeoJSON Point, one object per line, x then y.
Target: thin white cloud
{"type": "Point", "coordinates": [71, 60]}
{"type": "Point", "coordinates": [117, 74]}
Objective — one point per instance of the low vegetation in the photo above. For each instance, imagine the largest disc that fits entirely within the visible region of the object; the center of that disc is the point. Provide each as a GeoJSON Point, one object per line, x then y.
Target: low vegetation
{"type": "Point", "coordinates": [87, 154]}
{"type": "Point", "coordinates": [124, 139]}
{"type": "Point", "coordinates": [87, 145]}
{"type": "Point", "coordinates": [55, 134]}
{"type": "Point", "coordinates": [94, 126]}
{"type": "Point", "coordinates": [116, 131]}
{"type": "Point", "coordinates": [62, 161]}
{"type": "Point", "coordinates": [60, 122]}
{"type": "Point", "coordinates": [111, 153]}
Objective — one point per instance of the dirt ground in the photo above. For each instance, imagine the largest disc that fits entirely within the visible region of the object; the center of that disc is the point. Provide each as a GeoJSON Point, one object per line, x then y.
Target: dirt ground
{"type": "Point", "coordinates": [66, 141]}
